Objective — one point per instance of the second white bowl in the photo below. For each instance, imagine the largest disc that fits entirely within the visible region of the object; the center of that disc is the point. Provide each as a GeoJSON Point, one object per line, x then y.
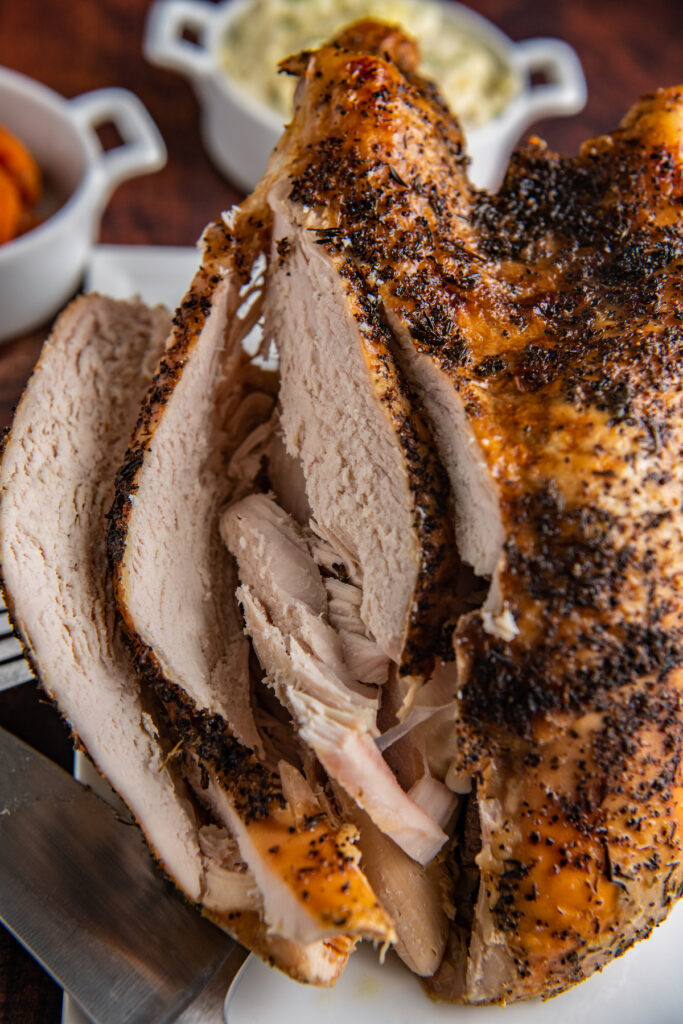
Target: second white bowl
{"type": "Point", "coordinates": [239, 132]}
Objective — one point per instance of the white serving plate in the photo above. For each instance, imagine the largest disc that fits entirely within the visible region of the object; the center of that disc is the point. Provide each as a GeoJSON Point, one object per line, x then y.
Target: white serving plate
{"type": "Point", "coordinates": [643, 987]}
{"type": "Point", "coordinates": [156, 273]}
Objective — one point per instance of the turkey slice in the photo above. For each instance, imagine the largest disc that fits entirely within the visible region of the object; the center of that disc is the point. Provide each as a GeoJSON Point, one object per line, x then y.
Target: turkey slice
{"type": "Point", "coordinates": [285, 607]}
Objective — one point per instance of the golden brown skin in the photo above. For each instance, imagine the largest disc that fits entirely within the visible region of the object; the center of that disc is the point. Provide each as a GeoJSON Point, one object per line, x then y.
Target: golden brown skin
{"type": "Point", "coordinates": [555, 309]}
{"type": "Point", "coordinates": [577, 722]}
{"type": "Point", "coordinates": [320, 163]}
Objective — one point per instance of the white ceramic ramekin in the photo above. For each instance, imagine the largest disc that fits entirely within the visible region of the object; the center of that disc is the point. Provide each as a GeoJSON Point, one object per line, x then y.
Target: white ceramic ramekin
{"type": "Point", "coordinates": [239, 132]}
{"type": "Point", "coordinates": [41, 269]}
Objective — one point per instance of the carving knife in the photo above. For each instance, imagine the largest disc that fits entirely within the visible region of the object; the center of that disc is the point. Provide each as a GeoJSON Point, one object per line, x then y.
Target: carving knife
{"type": "Point", "coordinates": [78, 888]}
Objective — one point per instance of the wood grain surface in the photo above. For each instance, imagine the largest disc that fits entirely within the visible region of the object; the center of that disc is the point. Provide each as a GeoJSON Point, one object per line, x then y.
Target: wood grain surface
{"type": "Point", "coordinates": [627, 47]}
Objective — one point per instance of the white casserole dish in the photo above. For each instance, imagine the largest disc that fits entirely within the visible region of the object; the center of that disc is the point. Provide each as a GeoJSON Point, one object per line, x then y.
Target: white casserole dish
{"type": "Point", "coordinates": [41, 269]}
{"type": "Point", "coordinates": [239, 132]}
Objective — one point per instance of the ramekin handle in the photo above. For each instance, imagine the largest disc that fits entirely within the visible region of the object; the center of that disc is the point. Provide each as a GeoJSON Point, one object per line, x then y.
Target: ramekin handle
{"type": "Point", "coordinates": [142, 149]}
{"type": "Point", "coordinates": [164, 44]}
{"type": "Point", "coordinates": [564, 91]}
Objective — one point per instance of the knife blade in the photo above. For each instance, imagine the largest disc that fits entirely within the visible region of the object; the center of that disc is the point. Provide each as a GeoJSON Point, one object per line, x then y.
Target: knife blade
{"type": "Point", "coordinates": [78, 888]}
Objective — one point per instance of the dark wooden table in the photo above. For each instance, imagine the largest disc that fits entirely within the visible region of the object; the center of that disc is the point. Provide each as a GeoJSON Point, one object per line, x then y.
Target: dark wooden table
{"type": "Point", "coordinates": [627, 48]}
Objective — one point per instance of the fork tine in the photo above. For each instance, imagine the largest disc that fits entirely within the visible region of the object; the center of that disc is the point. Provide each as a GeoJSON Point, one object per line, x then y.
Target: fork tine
{"type": "Point", "coordinates": [14, 669]}
{"type": "Point", "coordinates": [14, 673]}
{"type": "Point", "coordinates": [10, 648]}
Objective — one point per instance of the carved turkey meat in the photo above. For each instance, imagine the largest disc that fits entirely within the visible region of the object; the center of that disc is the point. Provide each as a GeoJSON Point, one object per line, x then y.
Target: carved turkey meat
{"type": "Point", "coordinates": [414, 596]}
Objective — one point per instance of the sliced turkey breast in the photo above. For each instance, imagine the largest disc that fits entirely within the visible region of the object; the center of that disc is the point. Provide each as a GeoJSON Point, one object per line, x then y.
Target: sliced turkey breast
{"type": "Point", "coordinates": [70, 432]}
{"type": "Point", "coordinates": [69, 435]}
{"type": "Point", "coordinates": [412, 895]}
{"type": "Point", "coordinates": [169, 489]}
{"type": "Point", "coordinates": [372, 481]}
{"type": "Point", "coordinates": [285, 607]}
{"type": "Point", "coordinates": [185, 455]}
{"type": "Point", "coordinates": [304, 871]}
{"type": "Point", "coordinates": [273, 559]}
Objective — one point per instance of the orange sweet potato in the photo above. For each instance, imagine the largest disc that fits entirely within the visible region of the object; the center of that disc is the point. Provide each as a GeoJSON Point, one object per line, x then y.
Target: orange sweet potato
{"type": "Point", "coordinates": [16, 161]}
{"type": "Point", "coordinates": [11, 208]}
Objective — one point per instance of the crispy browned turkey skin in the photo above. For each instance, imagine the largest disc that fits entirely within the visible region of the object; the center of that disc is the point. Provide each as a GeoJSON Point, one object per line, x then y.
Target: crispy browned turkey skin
{"type": "Point", "coordinates": [537, 334]}
{"type": "Point", "coordinates": [454, 530]}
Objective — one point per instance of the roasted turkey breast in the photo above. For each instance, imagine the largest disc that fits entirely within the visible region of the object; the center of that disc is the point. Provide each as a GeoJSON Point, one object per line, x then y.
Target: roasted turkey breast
{"type": "Point", "coordinates": [405, 610]}
{"type": "Point", "coordinates": [537, 333]}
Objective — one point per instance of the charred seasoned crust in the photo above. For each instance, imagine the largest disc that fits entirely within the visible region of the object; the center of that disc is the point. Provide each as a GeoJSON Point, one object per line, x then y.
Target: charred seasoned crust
{"type": "Point", "coordinates": [555, 310]}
